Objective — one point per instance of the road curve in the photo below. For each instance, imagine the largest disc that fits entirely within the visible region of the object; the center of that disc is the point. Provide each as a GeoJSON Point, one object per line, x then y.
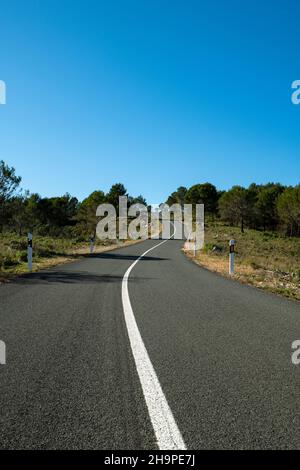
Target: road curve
{"type": "Point", "coordinates": [221, 352]}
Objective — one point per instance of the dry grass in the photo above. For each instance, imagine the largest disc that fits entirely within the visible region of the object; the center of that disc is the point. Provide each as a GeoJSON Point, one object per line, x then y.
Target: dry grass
{"type": "Point", "coordinates": [265, 260]}
{"type": "Point", "coordinates": [47, 253]}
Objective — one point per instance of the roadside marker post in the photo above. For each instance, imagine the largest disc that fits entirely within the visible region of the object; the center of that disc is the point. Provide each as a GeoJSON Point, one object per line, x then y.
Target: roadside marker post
{"type": "Point", "coordinates": [92, 241]}
{"type": "Point", "coordinates": [29, 251]}
{"type": "Point", "coordinates": [231, 256]}
{"type": "Point", "coordinates": [2, 353]}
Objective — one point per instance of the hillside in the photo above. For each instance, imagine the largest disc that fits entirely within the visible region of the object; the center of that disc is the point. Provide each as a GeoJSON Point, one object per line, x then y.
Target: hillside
{"type": "Point", "coordinates": [263, 259]}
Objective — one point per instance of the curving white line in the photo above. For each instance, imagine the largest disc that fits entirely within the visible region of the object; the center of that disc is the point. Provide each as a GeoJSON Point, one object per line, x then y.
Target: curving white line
{"type": "Point", "coordinates": [166, 431]}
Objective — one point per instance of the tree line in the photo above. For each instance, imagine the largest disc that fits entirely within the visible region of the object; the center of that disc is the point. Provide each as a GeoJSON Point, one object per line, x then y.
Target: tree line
{"type": "Point", "coordinates": [21, 211]}
{"type": "Point", "coordinates": [270, 206]}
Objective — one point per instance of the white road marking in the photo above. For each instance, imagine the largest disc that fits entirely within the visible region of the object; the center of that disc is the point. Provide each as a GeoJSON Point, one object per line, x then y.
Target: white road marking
{"type": "Point", "coordinates": [166, 431]}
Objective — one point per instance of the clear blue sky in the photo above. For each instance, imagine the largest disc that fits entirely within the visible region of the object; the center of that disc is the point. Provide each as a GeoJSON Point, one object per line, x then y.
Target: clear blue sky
{"type": "Point", "coordinates": [154, 94]}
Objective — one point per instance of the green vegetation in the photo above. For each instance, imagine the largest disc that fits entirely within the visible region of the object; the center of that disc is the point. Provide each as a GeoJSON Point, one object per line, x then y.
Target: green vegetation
{"type": "Point", "coordinates": [266, 250]}
{"type": "Point", "coordinates": [47, 251]}
{"type": "Point", "coordinates": [264, 259]}
{"type": "Point", "coordinates": [265, 222]}
{"type": "Point", "coordinates": [61, 226]}
{"type": "Point", "coordinates": [13, 251]}
{"type": "Point", "coordinates": [270, 206]}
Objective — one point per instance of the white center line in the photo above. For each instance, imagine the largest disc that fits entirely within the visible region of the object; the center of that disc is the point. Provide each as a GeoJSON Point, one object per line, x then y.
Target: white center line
{"type": "Point", "coordinates": [166, 431]}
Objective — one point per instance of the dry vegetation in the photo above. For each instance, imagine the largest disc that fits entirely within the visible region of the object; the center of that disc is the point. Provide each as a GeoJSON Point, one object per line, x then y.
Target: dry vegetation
{"type": "Point", "coordinates": [47, 252]}
{"type": "Point", "coordinates": [263, 259]}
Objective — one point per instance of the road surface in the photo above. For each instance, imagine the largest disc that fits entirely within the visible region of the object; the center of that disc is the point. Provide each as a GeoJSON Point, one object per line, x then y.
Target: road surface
{"type": "Point", "coordinates": [168, 353]}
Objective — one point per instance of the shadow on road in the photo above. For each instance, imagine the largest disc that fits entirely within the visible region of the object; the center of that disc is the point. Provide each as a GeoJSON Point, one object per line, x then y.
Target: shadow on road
{"type": "Point", "coordinates": [118, 256]}
{"type": "Point", "coordinates": [69, 277]}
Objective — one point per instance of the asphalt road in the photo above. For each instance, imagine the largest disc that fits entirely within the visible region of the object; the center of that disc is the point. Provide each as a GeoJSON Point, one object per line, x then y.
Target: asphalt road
{"type": "Point", "coordinates": [220, 352]}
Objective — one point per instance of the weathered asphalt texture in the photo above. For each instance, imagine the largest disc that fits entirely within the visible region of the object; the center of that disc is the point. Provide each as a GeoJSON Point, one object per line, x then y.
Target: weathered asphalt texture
{"type": "Point", "coordinates": [221, 351]}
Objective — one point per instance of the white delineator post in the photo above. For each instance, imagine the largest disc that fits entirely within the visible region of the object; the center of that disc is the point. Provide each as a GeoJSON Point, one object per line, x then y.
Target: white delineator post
{"type": "Point", "coordinates": [231, 256]}
{"type": "Point", "coordinates": [29, 251]}
{"type": "Point", "coordinates": [2, 352]}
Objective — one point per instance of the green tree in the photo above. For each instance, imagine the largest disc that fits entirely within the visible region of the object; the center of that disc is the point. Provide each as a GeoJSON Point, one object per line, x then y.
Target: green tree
{"type": "Point", "coordinates": [86, 215]}
{"type": "Point", "coordinates": [9, 182]}
{"type": "Point", "coordinates": [206, 194]}
{"type": "Point", "coordinates": [114, 193]}
{"type": "Point", "coordinates": [137, 200]}
{"type": "Point", "coordinates": [17, 216]}
{"type": "Point", "coordinates": [33, 207]}
{"type": "Point", "coordinates": [177, 197]}
{"type": "Point", "coordinates": [266, 205]}
{"type": "Point", "coordinates": [234, 206]}
{"type": "Point", "coordinates": [288, 207]}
